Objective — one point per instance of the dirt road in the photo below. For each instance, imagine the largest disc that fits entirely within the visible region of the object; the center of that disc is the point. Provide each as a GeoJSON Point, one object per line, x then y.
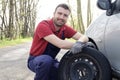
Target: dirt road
{"type": "Point", "coordinates": [13, 63]}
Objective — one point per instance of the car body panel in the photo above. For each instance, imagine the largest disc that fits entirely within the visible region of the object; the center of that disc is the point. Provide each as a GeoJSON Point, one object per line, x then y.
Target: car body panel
{"type": "Point", "coordinates": [105, 32]}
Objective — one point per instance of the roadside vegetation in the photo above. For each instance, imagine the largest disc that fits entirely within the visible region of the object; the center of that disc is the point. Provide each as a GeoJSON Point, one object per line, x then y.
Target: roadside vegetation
{"type": "Point", "coordinates": [6, 43]}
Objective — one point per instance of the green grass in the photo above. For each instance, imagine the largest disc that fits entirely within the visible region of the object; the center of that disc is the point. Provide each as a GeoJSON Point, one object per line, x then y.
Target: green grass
{"type": "Point", "coordinates": [5, 43]}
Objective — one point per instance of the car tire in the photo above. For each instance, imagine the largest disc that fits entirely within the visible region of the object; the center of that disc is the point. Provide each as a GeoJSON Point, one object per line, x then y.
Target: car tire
{"type": "Point", "coordinates": [90, 64]}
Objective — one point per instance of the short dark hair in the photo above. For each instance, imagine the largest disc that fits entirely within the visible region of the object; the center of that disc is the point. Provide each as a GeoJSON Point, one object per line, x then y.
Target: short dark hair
{"type": "Point", "coordinates": [63, 5]}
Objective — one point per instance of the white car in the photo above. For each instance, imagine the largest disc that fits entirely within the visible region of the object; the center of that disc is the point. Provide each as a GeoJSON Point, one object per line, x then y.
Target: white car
{"type": "Point", "coordinates": [105, 33]}
{"type": "Point", "coordinates": [100, 62]}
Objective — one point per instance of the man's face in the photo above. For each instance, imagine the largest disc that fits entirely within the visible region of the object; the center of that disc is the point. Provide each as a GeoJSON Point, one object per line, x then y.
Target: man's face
{"type": "Point", "coordinates": [60, 16]}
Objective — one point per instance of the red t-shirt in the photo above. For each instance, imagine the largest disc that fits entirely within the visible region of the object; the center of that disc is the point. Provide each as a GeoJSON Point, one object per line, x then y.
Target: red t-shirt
{"type": "Point", "coordinates": [46, 28]}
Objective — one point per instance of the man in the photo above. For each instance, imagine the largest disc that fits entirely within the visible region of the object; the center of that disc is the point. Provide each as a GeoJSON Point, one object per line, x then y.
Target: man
{"type": "Point", "coordinates": [49, 38]}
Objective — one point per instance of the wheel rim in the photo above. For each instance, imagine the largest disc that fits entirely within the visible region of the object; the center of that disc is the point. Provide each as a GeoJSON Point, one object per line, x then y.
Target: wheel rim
{"type": "Point", "coordinates": [82, 68]}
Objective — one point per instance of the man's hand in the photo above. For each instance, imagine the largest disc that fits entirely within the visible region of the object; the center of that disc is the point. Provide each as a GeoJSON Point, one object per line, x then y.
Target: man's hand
{"type": "Point", "coordinates": [77, 47]}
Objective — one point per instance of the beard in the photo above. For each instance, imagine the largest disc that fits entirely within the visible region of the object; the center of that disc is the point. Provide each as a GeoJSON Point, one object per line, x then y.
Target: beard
{"type": "Point", "coordinates": [59, 22]}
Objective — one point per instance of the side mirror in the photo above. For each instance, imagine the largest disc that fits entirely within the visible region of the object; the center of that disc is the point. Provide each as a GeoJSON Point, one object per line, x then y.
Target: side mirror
{"type": "Point", "coordinates": [104, 4]}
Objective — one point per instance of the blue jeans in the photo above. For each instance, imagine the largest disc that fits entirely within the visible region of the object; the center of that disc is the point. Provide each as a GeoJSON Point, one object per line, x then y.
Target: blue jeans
{"type": "Point", "coordinates": [44, 66]}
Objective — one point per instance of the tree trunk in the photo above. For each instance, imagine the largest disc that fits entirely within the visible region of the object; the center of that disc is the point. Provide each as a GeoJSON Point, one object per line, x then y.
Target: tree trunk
{"type": "Point", "coordinates": [79, 16]}
{"type": "Point", "coordinates": [10, 29]}
{"type": "Point", "coordinates": [89, 15]}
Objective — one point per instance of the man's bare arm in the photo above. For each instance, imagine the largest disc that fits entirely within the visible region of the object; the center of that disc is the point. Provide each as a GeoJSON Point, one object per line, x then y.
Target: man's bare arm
{"type": "Point", "coordinates": [53, 39]}
{"type": "Point", "coordinates": [80, 37]}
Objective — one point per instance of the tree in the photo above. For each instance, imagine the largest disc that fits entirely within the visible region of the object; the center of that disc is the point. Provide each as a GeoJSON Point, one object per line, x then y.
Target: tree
{"type": "Point", "coordinates": [17, 18]}
{"type": "Point", "coordinates": [76, 20]}
{"type": "Point", "coordinates": [89, 15]}
{"type": "Point", "coordinates": [3, 19]}
{"type": "Point", "coordinates": [80, 26]}
{"type": "Point", "coordinates": [10, 28]}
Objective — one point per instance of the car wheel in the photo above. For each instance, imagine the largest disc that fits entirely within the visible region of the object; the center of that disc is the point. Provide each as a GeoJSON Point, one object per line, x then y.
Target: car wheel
{"type": "Point", "coordinates": [89, 64]}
